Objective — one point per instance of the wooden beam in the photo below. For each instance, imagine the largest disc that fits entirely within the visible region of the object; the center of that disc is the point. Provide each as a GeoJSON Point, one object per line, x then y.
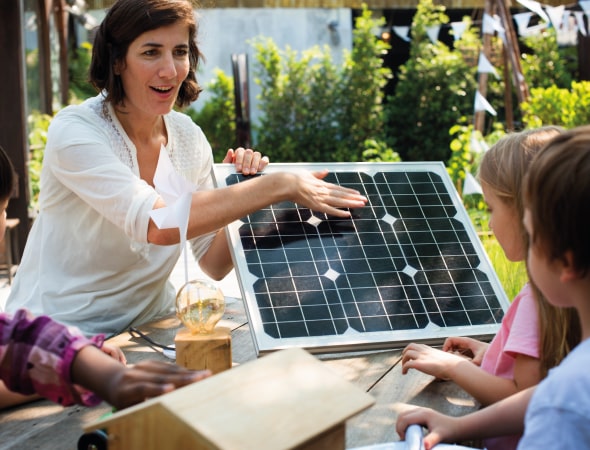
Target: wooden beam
{"type": "Point", "coordinates": [511, 43]}
{"type": "Point", "coordinates": [45, 90]}
{"type": "Point", "coordinates": [13, 123]}
{"type": "Point", "coordinates": [61, 25]}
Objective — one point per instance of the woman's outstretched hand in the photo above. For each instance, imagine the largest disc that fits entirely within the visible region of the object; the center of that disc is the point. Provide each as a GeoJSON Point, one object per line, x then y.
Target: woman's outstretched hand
{"type": "Point", "coordinates": [314, 193]}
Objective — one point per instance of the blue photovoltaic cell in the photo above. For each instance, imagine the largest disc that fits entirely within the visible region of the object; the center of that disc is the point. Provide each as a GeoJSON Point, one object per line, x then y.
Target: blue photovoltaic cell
{"type": "Point", "coordinates": [407, 267]}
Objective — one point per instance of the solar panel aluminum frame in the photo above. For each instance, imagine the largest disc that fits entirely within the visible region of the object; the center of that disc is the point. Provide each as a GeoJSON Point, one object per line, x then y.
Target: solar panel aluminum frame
{"type": "Point", "coordinates": [355, 340]}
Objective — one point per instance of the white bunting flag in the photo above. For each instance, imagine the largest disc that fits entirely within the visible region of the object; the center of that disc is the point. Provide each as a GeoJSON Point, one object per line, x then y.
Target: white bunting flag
{"type": "Point", "coordinates": [555, 14]}
{"type": "Point", "coordinates": [579, 15]}
{"type": "Point", "coordinates": [458, 29]}
{"type": "Point", "coordinates": [484, 66]}
{"type": "Point", "coordinates": [481, 104]}
{"type": "Point", "coordinates": [534, 7]}
{"type": "Point", "coordinates": [471, 186]}
{"type": "Point", "coordinates": [522, 21]}
{"type": "Point", "coordinates": [492, 24]}
{"type": "Point", "coordinates": [402, 32]}
{"type": "Point", "coordinates": [478, 145]}
{"type": "Point", "coordinates": [585, 5]}
{"type": "Point", "coordinates": [432, 33]}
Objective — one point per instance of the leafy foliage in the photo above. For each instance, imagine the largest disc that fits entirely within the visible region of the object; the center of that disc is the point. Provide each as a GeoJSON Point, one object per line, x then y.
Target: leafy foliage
{"type": "Point", "coordinates": [557, 106]}
{"type": "Point", "coordinates": [314, 110]}
{"type": "Point", "coordinates": [217, 118]}
{"type": "Point", "coordinates": [79, 61]}
{"type": "Point", "coordinates": [38, 124]}
{"type": "Point", "coordinates": [545, 66]}
{"type": "Point", "coordinates": [435, 89]}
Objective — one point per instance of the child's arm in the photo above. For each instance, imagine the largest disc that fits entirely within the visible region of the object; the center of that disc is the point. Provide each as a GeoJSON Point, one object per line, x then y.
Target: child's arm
{"type": "Point", "coordinates": [9, 398]}
{"type": "Point", "coordinates": [505, 417]}
{"type": "Point", "coordinates": [123, 386]}
{"type": "Point", "coordinates": [41, 356]}
{"type": "Point", "coordinates": [483, 386]}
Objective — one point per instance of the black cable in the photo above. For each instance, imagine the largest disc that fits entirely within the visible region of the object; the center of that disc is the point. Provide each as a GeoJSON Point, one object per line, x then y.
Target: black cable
{"type": "Point", "coordinates": [134, 332]}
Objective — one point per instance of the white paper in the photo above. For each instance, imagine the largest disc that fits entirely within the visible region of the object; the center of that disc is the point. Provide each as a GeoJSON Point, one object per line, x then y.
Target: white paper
{"type": "Point", "coordinates": [177, 193]}
{"type": "Point", "coordinates": [432, 33]}
{"type": "Point", "coordinates": [555, 14]}
{"type": "Point", "coordinates": [579, 15]}
{"type": "Point", "coordinates": [485, 66]}
{"type": "Point", "coordinates": [535, 7]}
{"type": "Point", "coordinates": [471, 186]}
{"type": "Point", "coordinates": [481, 104]}
{"type": "Point", "coordinates": [458, 29]}
{"type": "Point", "coordinates": [402, 32]}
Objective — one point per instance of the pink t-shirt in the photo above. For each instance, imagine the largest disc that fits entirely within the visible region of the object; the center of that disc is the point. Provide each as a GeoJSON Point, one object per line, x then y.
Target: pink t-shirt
{"type": "Point", "coordinates": [518, 335]}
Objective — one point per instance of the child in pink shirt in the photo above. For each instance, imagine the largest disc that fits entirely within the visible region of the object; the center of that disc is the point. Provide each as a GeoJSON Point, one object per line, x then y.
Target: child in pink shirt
{"type": "Point", "coordinates": [522, 351]}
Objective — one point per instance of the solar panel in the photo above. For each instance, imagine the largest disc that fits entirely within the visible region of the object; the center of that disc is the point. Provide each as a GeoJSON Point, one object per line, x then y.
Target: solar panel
{"type": "Point", "coordinates": [407, 267]}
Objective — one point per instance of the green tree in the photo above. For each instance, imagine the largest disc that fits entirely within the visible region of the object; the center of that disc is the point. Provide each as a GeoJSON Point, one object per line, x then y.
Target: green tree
{"type": "Point", "coordinates": [545, 65]}
{"type": "Point", "coordinates": [558, 106]}
{"type": "Point", "coordinates": [217, 117]}
{"type": "Point", "coordinates": [436, 87]}
{"type": "Point", "coordinates": [313, 110]}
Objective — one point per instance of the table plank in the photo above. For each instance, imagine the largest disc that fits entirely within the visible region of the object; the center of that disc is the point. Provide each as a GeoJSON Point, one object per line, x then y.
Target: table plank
{"type": "Point", "coordinates": [395, 392]}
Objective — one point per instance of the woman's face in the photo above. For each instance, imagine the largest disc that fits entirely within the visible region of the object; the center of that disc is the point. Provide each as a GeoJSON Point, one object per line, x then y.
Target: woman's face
{"type": "Point", "coordinates": [505, 224]}
{"type": "Point", "coordinates": [156, 64]}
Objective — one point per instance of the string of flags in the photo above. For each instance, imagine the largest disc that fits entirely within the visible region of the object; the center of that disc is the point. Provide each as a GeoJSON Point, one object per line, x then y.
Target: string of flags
{"type": "Point", "coordinates": [567, 21]}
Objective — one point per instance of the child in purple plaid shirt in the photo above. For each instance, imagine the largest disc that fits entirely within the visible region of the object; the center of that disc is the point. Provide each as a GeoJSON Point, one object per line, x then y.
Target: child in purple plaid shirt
{"type": "Point", "coordinates": [41, 357]}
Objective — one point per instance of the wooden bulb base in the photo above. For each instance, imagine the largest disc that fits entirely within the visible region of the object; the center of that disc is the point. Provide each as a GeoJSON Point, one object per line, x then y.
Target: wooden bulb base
{"type": "Point", "coordinates": [204, 351]}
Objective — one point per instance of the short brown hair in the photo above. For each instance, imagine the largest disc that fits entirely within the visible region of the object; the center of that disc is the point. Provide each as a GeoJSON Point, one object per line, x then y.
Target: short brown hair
{"type": "Point", "coordinates": [124, 22]}
{"type": "Point", "coordinates": [557, 194]}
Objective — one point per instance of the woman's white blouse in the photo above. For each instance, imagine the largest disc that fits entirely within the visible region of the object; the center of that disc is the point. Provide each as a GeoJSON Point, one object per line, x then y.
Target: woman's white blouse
{"type": "Point", "coordinates": [87, 262]}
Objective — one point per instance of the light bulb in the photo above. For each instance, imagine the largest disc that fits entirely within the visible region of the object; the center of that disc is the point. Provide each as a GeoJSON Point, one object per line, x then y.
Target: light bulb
{"type": "Point", "coordinates": [199, 306]}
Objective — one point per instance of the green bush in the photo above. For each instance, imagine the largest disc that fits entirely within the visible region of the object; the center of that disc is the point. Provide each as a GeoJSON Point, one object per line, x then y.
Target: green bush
{"type": "Point", "coordinates": [313, 110]}
{"type": "Point", "coordinates": [436, 87]}
{"type": "Point", "coordinates": [217, 117]}
{"type": "Point", "coordinates": [545, 65]}
{"type": "Point", "coordinates": [38, 126]}
{"type": "Point", "coordinates": [557, 106]}
{"type": "Point", "coordinates": [79, 62]}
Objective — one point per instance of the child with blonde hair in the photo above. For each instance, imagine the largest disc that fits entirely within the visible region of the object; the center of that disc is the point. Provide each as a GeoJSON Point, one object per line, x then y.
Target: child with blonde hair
{"type": "Point", "coordinates": [534, 335]}
{"type": "Point", "coordinates": [556, 413]}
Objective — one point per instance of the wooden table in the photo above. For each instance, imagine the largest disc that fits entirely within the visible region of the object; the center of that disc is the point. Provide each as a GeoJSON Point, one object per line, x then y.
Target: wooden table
{"type": "Point", "coordinates": [44, 425]}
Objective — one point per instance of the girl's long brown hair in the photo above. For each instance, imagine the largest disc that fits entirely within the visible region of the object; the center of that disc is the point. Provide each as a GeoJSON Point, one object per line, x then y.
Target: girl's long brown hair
{"type": "Point", "coordinates": [503, 169]}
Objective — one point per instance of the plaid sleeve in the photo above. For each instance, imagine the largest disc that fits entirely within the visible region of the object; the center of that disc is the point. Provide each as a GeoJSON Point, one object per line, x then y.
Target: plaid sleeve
{"type": "Point", "coordinates": [36, 355]}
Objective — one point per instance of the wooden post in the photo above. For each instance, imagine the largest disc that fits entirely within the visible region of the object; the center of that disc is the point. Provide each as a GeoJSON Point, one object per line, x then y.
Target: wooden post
{"type": "Point", "coordinates": [509, 115]}
{"type": "Point", "coordinates": [45, 91]}
{"type": "Point", "coordinates": [482, 81]}
{"type": "Point", "coordinates": [13, 122]}
{"type": "Point", "coordinates": [61, 20]}
{"type": "Point", "coordinates": [511, 42]}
